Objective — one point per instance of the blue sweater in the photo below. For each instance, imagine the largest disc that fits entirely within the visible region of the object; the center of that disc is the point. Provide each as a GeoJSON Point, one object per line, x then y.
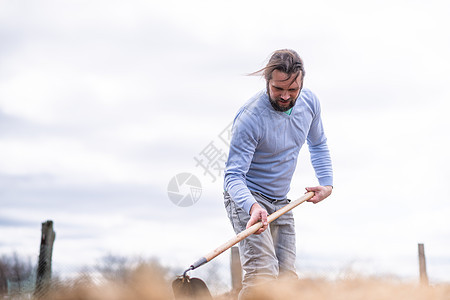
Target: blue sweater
{"type": "Point", "coordinates": [265, 145]}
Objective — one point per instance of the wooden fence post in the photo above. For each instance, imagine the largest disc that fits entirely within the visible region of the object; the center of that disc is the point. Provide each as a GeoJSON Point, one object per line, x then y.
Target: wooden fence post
{"type": "Point", "coordinates": [422, 265]}
{"type": "Point", "coordinates": [236, 270]}
{"type": "Point", "coordinates": [44, 270]}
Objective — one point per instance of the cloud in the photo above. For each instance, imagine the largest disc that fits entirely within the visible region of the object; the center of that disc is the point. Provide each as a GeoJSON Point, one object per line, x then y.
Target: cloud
{"type": "Point", "coordinates": [13, 222]}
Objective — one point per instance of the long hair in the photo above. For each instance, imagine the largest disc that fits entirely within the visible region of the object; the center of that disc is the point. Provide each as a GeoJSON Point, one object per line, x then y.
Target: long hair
{"type": "Point", "coordinates": [287, 61]}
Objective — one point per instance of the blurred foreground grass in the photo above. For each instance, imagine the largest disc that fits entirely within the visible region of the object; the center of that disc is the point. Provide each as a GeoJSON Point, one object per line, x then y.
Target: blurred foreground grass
{"type": "Point", "coordinates": [146, 283]}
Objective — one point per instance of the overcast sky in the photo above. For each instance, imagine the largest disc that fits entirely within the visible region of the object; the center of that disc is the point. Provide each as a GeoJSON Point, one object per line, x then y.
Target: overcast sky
{"type": "Point", "coordinates": [102, 103]}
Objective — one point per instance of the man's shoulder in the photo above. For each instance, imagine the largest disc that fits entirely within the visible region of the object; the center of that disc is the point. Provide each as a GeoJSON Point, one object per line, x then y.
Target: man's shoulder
{"type": "Point", "coordinates": [256, 101]}
{"type": "Point", "coordinates": [256, 105]}
{"type": "Point", "coordinates": [308, 95]}
{"type": "Point", "coordinates": [251, 114]}
{"type": "Point", "coordinates": [310, 99]}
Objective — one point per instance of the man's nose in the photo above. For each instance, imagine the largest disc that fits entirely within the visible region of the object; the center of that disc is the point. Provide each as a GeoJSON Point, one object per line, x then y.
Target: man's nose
{"type": "Point", "coordinates": [285, 95]}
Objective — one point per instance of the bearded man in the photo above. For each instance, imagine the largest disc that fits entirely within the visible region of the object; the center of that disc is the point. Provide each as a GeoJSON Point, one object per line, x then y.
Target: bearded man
{"type": "Point", "coordinates": [267, 135]}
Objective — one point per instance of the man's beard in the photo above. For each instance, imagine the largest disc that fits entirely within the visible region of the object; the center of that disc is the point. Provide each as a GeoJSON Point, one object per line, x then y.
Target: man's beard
{"type": "Point", "coordinates": [277, 107]}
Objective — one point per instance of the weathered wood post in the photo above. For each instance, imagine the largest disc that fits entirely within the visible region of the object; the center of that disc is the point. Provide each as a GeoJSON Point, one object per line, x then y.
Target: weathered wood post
{"type": "Point", "coordinates": [422, 265]}
{"type": "Point", "coordinates": [44, 270]}
{"type": "Point", "coordinates": [236, 271]}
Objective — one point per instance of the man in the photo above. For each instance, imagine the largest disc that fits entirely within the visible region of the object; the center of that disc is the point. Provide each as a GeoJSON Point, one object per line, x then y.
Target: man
{"type": "Point", "coordinates": [267, 135]}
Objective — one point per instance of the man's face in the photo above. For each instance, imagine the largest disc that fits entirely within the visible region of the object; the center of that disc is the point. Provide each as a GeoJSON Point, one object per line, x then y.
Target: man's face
{"type": "Point", "coordinates": [283, 92]}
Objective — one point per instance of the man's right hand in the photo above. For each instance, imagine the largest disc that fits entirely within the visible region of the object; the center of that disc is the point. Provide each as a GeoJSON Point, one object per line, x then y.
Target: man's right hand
{"type": "Point", "coordinates": [257, 213]}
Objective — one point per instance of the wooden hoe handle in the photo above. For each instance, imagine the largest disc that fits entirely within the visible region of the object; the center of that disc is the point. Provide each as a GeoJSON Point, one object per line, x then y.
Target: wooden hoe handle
{"type": "Point", "coordinates": [249, 231]}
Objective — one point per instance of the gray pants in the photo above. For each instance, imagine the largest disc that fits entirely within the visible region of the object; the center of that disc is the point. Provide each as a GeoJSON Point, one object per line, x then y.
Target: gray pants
{"type": "Point", "coordinates": [270, 254]}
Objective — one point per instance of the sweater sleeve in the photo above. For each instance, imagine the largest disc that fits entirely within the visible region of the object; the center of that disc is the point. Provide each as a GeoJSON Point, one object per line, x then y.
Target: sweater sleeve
{"type": "Point", "coordinates": [243, 144]}
{"type": "Point", "coordinates": [318, 148]}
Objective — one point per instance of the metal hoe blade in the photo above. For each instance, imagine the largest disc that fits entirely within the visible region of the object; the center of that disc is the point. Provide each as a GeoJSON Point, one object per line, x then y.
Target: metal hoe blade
{"type": "Point", "coordinates": [186, 288]}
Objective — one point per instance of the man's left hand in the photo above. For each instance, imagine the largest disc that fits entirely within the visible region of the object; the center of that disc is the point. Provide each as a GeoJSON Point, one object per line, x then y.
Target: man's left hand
{"type": "Point", "coordinates": [320, 193]}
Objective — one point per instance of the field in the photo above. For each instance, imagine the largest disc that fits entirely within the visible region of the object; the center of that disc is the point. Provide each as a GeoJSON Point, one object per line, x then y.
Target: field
{"type": "Point", "coordinates": [147, 284]}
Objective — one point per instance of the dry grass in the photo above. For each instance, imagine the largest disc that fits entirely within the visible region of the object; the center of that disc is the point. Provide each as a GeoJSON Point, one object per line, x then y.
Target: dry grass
{"type": "Point", "coordinates": [350, 289]}
{"type": "Point", "coordinates": [143, 283]}
{"type": "Point", "coordinates": [147, 284]}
